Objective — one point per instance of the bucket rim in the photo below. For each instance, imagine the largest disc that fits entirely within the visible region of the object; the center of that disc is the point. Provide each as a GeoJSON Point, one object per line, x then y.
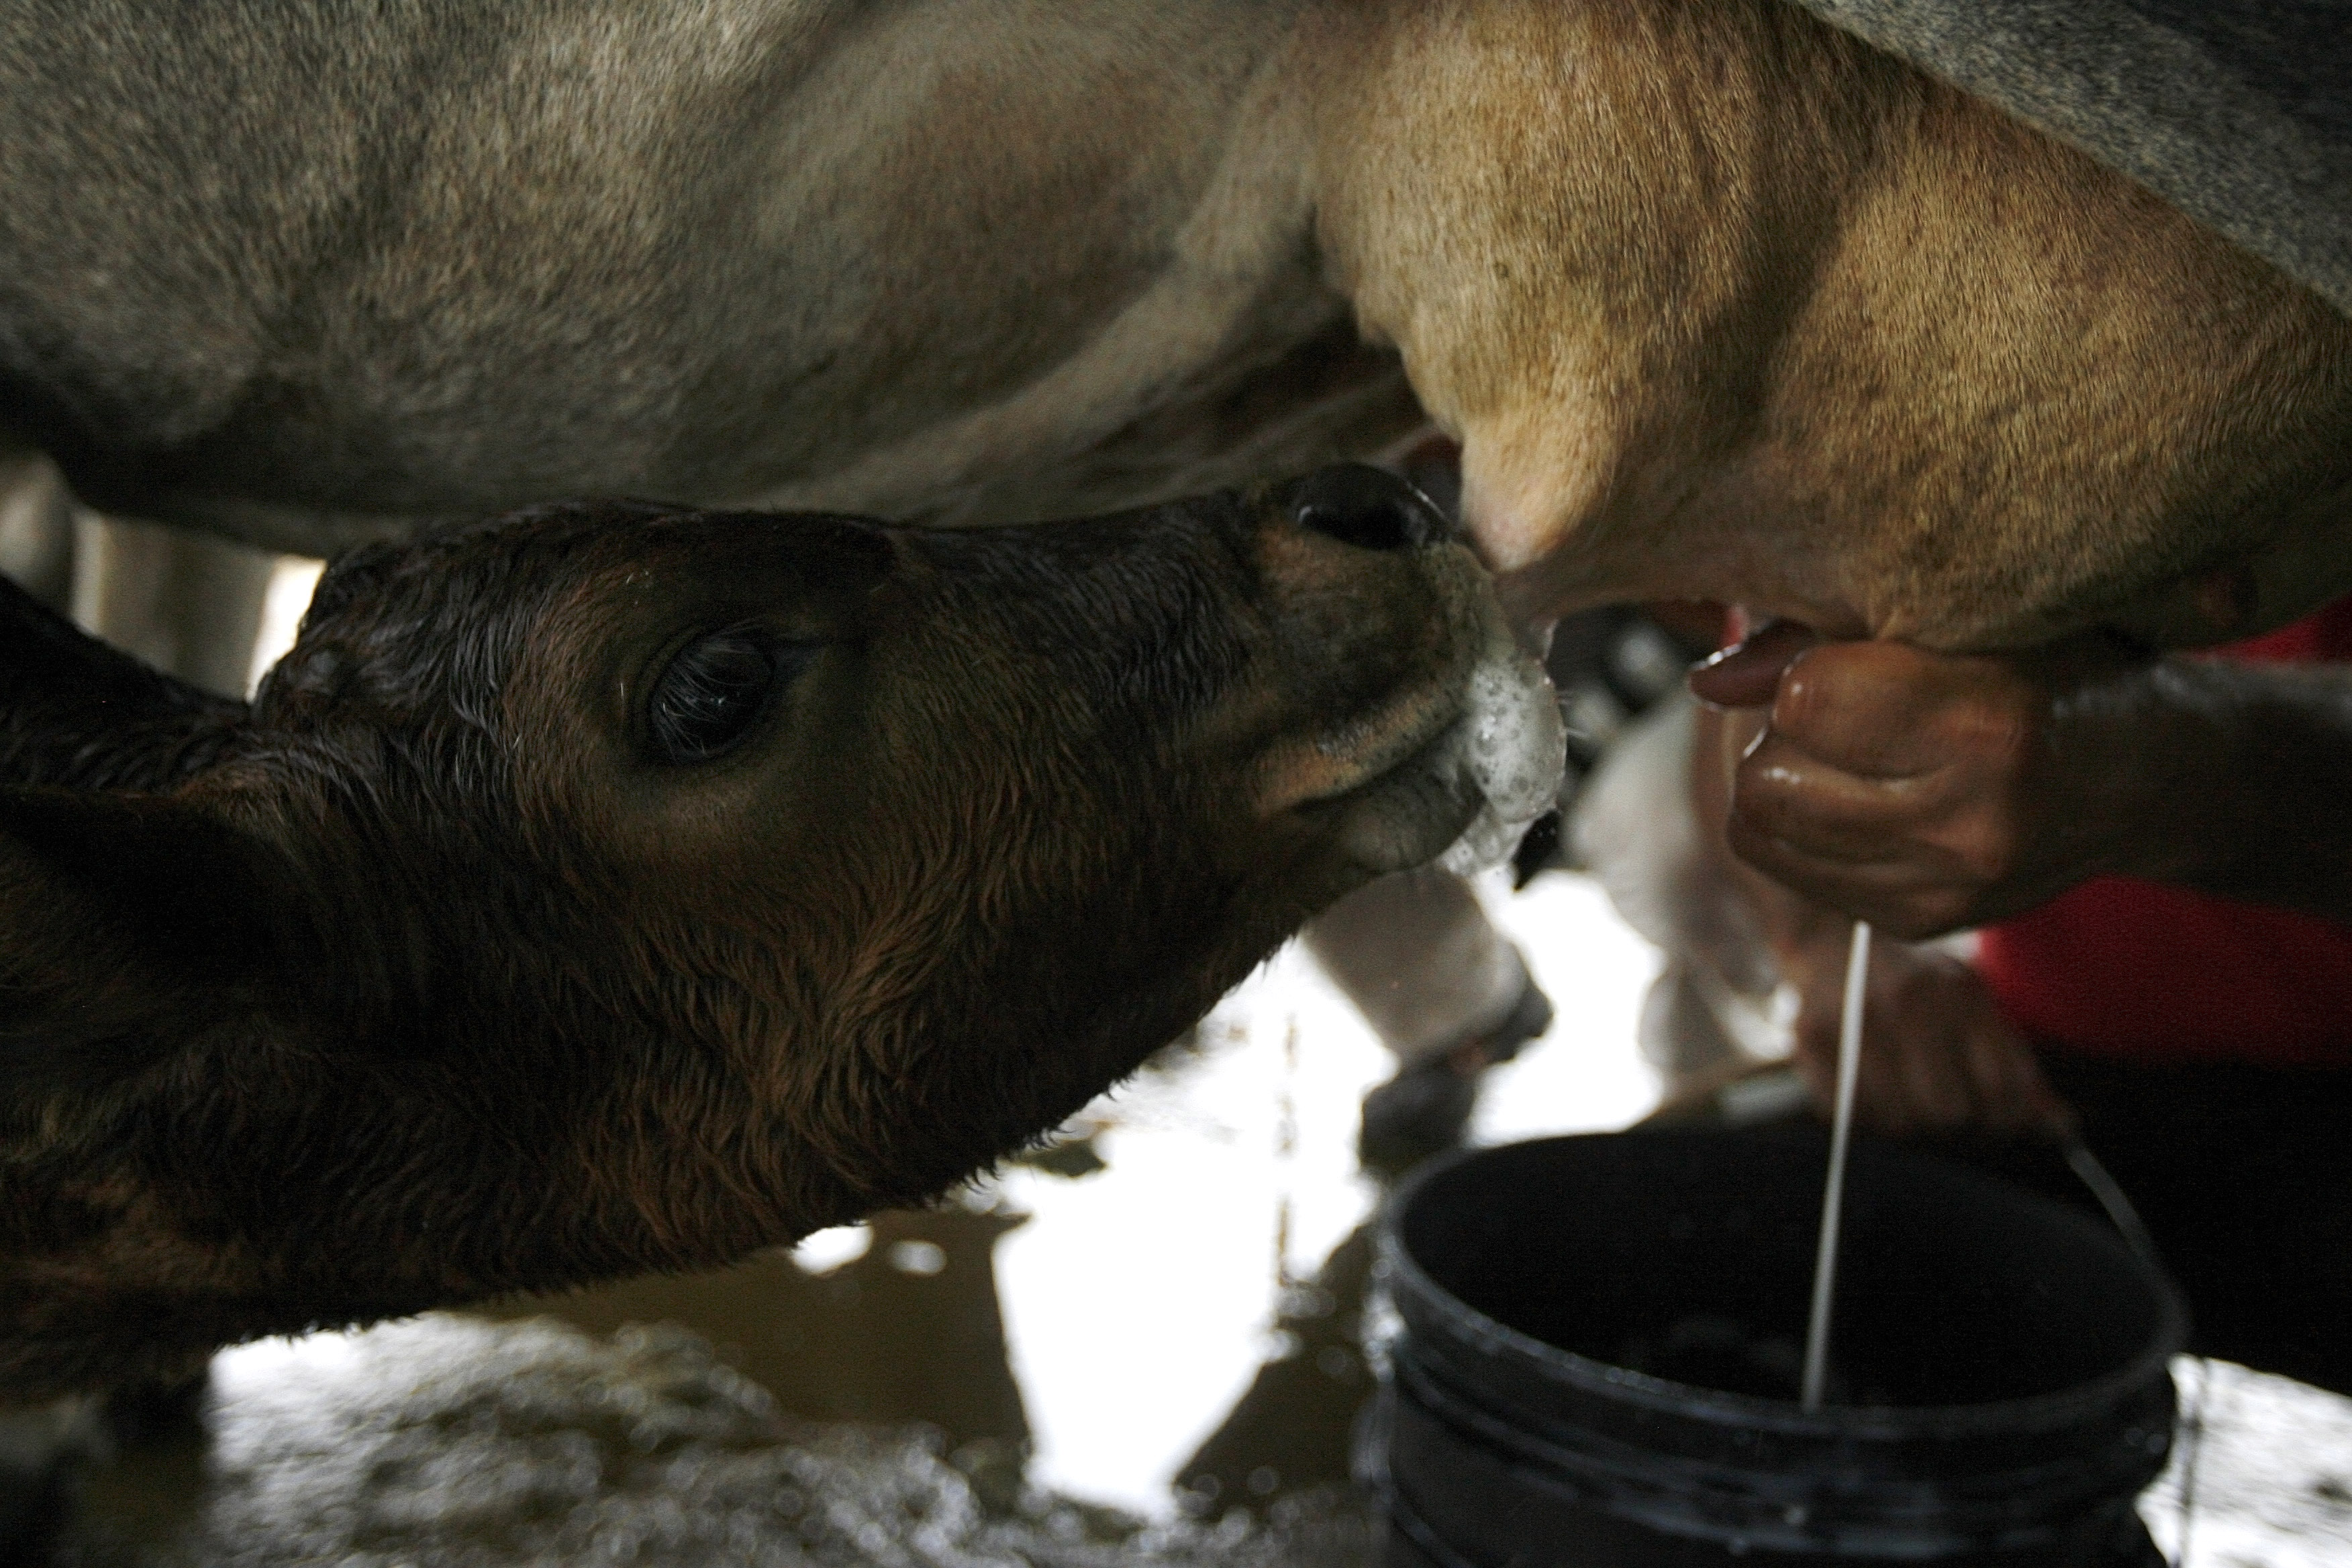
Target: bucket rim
{"type": "Point", "coordinates": [2168, 1339]}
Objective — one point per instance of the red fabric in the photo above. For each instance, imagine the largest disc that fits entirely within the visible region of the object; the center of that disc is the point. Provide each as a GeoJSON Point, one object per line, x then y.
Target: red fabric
{"type": "Point", "coordinates": [2137, 971]}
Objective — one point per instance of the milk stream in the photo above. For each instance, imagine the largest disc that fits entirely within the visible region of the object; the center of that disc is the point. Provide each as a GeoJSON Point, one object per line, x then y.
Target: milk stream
{"type": "Point", "coordinates": [1817, 1329]}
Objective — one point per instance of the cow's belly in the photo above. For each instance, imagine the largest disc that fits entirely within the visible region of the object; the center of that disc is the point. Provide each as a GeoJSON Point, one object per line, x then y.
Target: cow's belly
{"type": "Point", "coordinates": [762, 252]}
{"type": "Point", "coordinates": [1274, 407]}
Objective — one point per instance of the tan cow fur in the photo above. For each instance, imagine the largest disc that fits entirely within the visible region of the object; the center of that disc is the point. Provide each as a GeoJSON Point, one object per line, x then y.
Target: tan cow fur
{"type": "Point", "coordinates": [1722, 304]}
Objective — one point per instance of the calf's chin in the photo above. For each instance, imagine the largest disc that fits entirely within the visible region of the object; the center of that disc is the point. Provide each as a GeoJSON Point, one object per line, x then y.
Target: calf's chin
{"type": "Point", "coordinates": [616, 888]}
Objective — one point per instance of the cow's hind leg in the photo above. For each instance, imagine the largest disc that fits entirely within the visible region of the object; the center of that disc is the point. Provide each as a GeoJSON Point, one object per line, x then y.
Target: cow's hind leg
{"type": "Point", "coordinates": [1445, 991]}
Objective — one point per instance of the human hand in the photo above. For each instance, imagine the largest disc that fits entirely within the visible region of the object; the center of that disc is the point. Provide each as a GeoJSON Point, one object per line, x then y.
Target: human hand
{"type": "Point", "coordinates": [1926, 792]}
{"type": "Point", "coordinates": [1937, 1055]}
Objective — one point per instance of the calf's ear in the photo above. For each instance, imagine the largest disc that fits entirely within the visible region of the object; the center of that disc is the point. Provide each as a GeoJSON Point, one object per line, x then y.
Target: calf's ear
{"type": "Point", "coordinates": [129, 924]}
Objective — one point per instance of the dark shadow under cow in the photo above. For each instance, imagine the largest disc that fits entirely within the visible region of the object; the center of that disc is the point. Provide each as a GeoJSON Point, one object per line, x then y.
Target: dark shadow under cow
{"type": "Point", "coordinates": [613, 888]}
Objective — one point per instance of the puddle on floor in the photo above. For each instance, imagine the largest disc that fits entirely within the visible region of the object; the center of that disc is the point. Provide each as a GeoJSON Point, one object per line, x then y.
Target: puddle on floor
{"type": "Point", "coordinates": [2261, 1475]}
{"type": "Point", "coordinates": [463, 1443]}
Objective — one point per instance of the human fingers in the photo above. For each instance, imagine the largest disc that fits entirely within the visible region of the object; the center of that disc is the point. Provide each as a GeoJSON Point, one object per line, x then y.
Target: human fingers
{"type": "Point", "coordinates": [1937, 1055]}
{"type": "Point", "coordinates": [1953, 826]}
{"type": "Point", "coordinates": [1886, 710]}
{"type": "Point", "coordinates": [1782, 793]}
{"type": "Point", "coordinates": [1910, 896]}
{"type": "Point", "coordinates": [1887, 1100]}
{"type": "Point", "coordinates": [1881, 1102]}
{"type": "Point", "coordinates": [1927, 1053]}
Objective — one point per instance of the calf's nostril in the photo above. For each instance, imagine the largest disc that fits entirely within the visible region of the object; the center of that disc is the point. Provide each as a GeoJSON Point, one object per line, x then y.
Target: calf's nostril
{"type": "Point", "coordinates": [1366, 508]}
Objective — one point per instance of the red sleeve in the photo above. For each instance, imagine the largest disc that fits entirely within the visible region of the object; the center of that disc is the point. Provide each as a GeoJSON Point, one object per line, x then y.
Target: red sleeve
{"type": "Point", "coordinates": [2158, 974]}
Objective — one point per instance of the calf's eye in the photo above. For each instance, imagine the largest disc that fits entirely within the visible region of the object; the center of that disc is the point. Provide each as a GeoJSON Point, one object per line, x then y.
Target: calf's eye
{"type": "Point", "coordinates": [715, 690]}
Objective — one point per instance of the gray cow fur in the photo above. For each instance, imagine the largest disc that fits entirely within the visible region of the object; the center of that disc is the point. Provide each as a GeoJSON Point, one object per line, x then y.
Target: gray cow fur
{"type": "Point", "coordinates": [307, 275]}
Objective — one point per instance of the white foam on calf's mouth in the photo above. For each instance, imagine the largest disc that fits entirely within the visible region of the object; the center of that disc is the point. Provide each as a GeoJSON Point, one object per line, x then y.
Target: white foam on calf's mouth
{"type": "Point", "coordinates": [1514, 746]}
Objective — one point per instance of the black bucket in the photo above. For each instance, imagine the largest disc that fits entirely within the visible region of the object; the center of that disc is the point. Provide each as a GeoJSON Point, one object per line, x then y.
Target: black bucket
{"type": "Point", "coordinates": [1596, 1357]}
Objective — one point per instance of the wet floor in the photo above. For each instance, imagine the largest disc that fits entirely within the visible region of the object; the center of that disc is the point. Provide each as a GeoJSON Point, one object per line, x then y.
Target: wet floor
{"type": "Point", "coordinates": [457, 1442]}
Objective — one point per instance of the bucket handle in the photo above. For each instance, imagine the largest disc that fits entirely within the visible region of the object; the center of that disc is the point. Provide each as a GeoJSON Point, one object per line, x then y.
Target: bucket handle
{"type": "Point", "coordinates": [2126, 1218]}
{"type": "Point", "coordinates": [2120, 1213]}
{"type": "Point", "coordinates": [1763, 1093]}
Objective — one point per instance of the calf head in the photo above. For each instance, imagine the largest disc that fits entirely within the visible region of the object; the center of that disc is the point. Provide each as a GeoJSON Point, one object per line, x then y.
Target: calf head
{"type": "Point", "coordinates": [613, 888]}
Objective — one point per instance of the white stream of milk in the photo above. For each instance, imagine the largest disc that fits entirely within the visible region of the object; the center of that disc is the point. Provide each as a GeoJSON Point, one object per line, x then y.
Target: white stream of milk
{"type": "Point", "coordinates": [1817, 1329]}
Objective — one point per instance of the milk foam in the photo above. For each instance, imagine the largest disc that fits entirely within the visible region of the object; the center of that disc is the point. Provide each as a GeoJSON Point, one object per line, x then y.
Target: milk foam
{"type": "Point", "coordinates": [1513, 745]}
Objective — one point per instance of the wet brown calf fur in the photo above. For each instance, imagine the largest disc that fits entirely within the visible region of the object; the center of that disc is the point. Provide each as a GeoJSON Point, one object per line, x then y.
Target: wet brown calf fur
{"type": "Point", "coordinates": [614, 889]}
